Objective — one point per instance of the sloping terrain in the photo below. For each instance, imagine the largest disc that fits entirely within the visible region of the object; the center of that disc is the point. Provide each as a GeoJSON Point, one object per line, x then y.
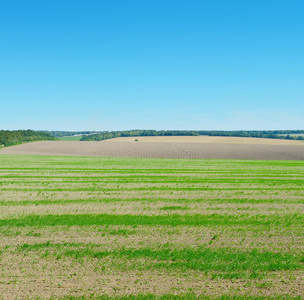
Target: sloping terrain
{"type": "Point", "coordinates": [170, 147]}
{"type": "Point", "coordinates": [203, 139]}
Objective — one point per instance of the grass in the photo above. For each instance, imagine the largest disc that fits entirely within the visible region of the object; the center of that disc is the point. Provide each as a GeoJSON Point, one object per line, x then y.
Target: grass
{"type": "Point", "coordinates": [175, 207]}
{"type": "Point", "coordinates": [224, 263]}
{"type": "Point", "coordinates": [71, 138]}
{"type": "Point", "coordinates": [266, 221]}
{"type": "Point", "coordinates": [152, 229]}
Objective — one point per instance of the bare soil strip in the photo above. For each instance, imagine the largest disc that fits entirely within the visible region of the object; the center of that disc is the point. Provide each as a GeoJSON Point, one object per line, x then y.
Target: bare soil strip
{"type": "Point", "coordinates": [206, 140]}
{"type": "Point", "coordinates": [169, 147]}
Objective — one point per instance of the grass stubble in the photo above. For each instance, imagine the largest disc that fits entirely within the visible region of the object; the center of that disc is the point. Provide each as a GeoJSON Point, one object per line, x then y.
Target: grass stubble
{"type": "Point", "coordinates": [116, 228]}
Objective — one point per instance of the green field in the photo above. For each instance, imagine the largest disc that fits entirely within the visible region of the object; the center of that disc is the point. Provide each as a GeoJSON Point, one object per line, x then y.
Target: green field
{"type": "Point", "coordinates": [293, 134]}
{"type": "Point", "coordinates": [71, 138]}
{"type": "Point", "coordinates": [150, 228]}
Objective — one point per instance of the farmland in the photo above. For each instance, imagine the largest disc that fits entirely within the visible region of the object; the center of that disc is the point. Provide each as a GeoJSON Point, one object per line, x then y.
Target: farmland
{"type": "Point", "coordinates": [71, 138]}
{"type": "Point", "coordinates": [126, 226]}
{"type": "Point", "coordinates": [187, 147]}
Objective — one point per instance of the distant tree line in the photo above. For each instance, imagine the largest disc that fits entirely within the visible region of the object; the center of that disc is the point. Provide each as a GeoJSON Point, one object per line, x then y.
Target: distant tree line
{"type": "Point", "coordinates": [272, 134]}
{"type": "Point", "coordinates": [60, 134]}
{"type": "Point", "coordinates": [9, 138]}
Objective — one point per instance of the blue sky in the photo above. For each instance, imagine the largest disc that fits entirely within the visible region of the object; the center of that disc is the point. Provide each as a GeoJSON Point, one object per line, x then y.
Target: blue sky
{"type": "Point", "coordinates": [151, 64]}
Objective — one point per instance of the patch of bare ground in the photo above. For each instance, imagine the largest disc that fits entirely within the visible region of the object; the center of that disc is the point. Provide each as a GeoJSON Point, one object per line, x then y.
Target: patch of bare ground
{"type": "Point", "coordinates": [146, 185]}
{"type": "Point", "coordinates": [205, 140]}
{"type": "Point", "coordinates": [117, 237]}
{"type": "Point", "coordinates": [212, 196]}
{"type": "Point", "coordinates": [170, 147]}
{"type": "Point", "coordinates": [30, 276]}
{"type": "Point", "coordinates": [152, 209]}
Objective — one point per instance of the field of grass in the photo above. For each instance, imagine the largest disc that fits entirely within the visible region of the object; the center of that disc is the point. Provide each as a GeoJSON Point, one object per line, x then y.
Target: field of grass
{"type": "Point", "coordinates": [71, 138]}
{"type": "Point", "coordinates": [127, 228]}
{"type": "Point", "coordinates": [296, 134]}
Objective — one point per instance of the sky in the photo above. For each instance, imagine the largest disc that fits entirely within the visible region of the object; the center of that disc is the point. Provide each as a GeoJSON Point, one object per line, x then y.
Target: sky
{"type": "Point", "coordinates": [151, 64]}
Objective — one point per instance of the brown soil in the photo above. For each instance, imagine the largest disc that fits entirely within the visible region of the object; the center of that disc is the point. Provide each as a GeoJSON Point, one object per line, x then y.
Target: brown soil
{"type": "Point", "coordinates": [205, 140]}
{"type": "Point", "coordinates": [26, 279]}
{"type": "Point", "coordinates": [170, 147]}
